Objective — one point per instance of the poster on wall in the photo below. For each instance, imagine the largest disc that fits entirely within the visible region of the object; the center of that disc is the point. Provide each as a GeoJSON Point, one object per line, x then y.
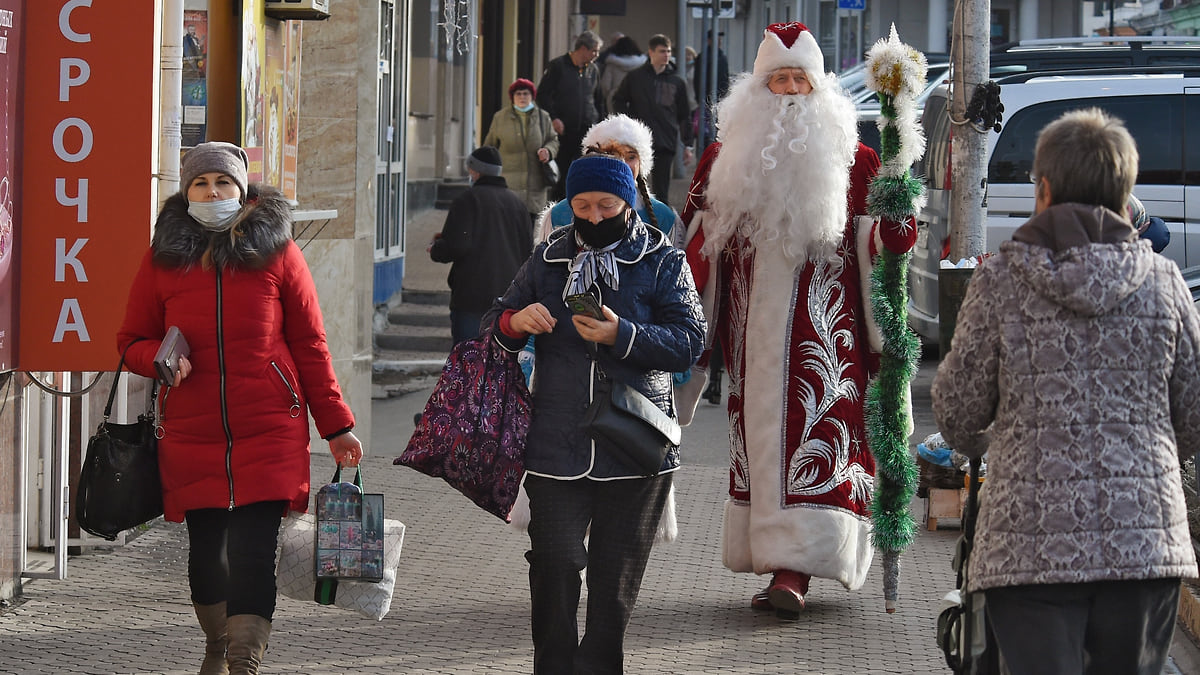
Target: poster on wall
{"type": "Point", "coordinates": [195, 71]}
{"type": "Point", "coordinates": [252, 72]}
{"type": "Point", "coordinates": [270, 95]}
{"type": "Point", "coordinates": [291, 109]}
{"type": "Point", "coordinates": [10, 80]}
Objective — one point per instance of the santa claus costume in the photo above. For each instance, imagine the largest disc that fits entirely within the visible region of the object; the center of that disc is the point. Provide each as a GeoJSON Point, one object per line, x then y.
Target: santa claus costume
{"type": "Point", "coordinates": [781, 246]}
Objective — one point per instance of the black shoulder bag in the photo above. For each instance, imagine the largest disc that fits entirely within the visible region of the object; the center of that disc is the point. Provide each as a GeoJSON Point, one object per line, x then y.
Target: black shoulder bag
{"type": "Point", "coordinates": [627, 424]}
{"type": "Point", "coordinates": [119, 486]}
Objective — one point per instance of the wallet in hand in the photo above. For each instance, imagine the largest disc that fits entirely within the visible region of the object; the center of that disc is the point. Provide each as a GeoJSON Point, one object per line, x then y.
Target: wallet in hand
{"type": "Point", "coordinates": [166, 361]}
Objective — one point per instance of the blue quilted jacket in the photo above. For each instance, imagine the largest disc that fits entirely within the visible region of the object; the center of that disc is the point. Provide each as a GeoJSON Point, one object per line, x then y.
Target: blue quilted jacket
{"type": "Point", "coordinates": [661, 331]}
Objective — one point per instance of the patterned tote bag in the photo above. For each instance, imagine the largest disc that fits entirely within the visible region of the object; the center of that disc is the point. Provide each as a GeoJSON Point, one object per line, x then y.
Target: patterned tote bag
{"type": "Point", "coordinates": [472, 433]}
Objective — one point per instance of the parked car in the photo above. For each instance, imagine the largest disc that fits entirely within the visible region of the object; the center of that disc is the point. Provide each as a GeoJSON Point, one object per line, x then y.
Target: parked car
{"type": "Point", "coordinates": [1160, 105]}
{"type": "Point", "coordinates": [1035, 55]}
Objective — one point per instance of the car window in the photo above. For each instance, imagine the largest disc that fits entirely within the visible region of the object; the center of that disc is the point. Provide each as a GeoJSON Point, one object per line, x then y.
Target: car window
{"type": "Point", "coordinates": [936, 163]}
{"type": "Point", "coordinates": [1158, 135]}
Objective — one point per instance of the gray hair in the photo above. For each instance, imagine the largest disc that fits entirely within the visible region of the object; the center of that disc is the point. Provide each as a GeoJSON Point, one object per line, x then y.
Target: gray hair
{"type": "Point", "coordinates": [1088, 157]}
{"type": "Point", "coordinates": [588, 39]}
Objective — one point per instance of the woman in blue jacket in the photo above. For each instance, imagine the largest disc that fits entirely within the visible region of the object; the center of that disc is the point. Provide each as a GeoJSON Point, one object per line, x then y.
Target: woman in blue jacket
{"type": "Point", "coordinates": [652, 325]}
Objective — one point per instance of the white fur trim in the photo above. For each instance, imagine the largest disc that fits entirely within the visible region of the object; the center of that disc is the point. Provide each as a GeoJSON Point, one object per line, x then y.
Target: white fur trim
{"type": "Point", "coordinates": [762, 536]}
{"type": "Point", "coordinates": [544, 226]}
{"type": "Point", "coordinates": [804, 53]}
{"type": "Point", "coordinates": [687, 395]}
{"type": "Point", "coordinates": [668, 526]}
{"type": "Point", "coordinates": [866, 231]}
{"type": "Point", "coordinates": [626, 131]}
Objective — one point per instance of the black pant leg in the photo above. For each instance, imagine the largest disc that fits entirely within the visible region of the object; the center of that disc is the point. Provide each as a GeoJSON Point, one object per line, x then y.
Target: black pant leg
{"type": "Point", "coordinates": [208, 569]}
{"type": "Point", "coordinates": [624, 522]}
{"type": "Point", "coordinates": [660, 176]}
{"type": "Point", "coordinates": [559, 513]}
{"type": "Point", "coordinates": [1131, 626]}
{"type": "Point", "coordinates": [251, 540]}
{"type": "Point", "coordinates": [568, 151]}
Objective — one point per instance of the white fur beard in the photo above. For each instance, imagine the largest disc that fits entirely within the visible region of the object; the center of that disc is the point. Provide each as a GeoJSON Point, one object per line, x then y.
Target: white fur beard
{"type": "Point", "coordinates": [783, 172]}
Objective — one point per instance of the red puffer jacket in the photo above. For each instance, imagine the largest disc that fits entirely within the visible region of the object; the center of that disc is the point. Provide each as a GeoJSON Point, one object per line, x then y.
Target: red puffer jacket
{"type": "Point", "coordinates": [236, 430]}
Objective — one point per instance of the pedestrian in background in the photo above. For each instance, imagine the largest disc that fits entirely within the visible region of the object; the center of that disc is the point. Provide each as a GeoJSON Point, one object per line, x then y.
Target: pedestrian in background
{"type": "Point", "coordinates": [486, 239]}
{"type": "Point", "coordinates": [233, 450]}
{"type": "Point", "coordinates": [574, 485]}
{"type": "Point", "coordinates": [569, 92]}
{"type": "Point", "coordinates": [526, 139]}
{"type": "Point", "coordinates": [655, 95]}
{"type": "Point", "coordinates": [1075, 367]}
{"type": "Point", "coordinates": [703, 82]}
{"type": "Point", "coordinates": [623, 56]}
{"type": "Point", "coordinates": [630, 141]}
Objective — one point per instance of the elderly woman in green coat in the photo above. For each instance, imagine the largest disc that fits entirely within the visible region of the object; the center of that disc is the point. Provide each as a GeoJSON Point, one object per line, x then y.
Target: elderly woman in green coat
{"type": "Point", "coordinates": [526, 140]}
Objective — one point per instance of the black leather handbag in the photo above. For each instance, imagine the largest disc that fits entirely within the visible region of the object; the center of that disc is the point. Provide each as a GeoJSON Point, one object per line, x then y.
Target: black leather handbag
{"type": "Point", "coordinates": [119, 486]}
{"type": "Point", "coordinates": [550, 172]}
{"type": "Point", "coordinates": [627, 424]}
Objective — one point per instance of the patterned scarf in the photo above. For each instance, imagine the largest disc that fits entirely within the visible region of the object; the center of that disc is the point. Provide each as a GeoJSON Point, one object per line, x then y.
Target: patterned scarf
{"type": "Point", "coordinates": [590, 264]}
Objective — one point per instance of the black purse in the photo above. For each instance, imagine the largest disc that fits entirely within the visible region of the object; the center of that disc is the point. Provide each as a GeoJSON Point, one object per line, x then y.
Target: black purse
{"type": "Point", "coordinates": [549, 172]}
{"type": "Point", "coordinates": [119, 486]}
{"type": "Point", "coordinates": [627, 424]}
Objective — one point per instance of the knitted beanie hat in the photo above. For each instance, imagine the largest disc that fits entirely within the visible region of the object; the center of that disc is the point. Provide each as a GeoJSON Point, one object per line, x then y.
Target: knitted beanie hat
{"type": "Point", "coordinates": [789, 45]}
{"type": "Point", "coordinates": [214, 157]}
{"type": "Point", "coordinates": [486, 160]}
{"type": "Point", "coordinates": [521, 83]}
{"type": "Point", "coordinates": [626, 131]}
{"type": "Point", "coordinates": [600, 173]}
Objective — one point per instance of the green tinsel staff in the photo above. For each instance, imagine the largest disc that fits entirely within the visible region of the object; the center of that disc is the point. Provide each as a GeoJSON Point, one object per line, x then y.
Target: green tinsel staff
{"type": "Point", "coordinates": [896, 72]}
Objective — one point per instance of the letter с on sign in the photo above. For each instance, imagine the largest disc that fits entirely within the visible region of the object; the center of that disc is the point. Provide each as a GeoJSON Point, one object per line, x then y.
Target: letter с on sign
{"type": "Point", "coordinates": [87, 167]}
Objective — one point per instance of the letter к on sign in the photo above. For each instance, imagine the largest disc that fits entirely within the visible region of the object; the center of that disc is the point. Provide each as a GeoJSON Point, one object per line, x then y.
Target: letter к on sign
{"type": "Point", "coordinates": [87, 166]}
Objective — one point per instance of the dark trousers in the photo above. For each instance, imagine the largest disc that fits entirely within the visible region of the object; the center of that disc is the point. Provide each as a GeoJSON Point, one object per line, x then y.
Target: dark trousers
{"type": "Point", "coordinates": [660, 176]}
{"type": "Point", "coordinates": [568, 151]}
{"type": "Point", "coordinates": [231, 557]}
{"type": "Point", "coordinates": [624, 516]}
{"type": "Point", "coordinates": [464, 325]}
{"type": "Point", "coordinates": [1117, 627]}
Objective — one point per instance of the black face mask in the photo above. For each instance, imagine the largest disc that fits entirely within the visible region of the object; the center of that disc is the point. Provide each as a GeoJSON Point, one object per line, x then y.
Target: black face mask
{"type": "Point", "coordinates": [604, 233]}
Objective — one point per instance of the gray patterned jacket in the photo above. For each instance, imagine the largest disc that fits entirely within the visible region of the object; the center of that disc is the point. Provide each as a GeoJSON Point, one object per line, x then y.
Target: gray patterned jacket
{"type": "Point", "coordinates": [1074, 365]}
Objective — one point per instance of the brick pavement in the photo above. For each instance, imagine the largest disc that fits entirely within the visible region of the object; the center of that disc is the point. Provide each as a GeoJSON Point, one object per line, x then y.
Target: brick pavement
{"type": "Point", "coordinates": [461, 603]}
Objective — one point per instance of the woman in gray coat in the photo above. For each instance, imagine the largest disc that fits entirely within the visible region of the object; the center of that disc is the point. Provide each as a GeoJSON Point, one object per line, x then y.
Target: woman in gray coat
{"type": "Point", "coordinates": [523, 134]}
{"type": "Point", "coordinates": [1074, 365]}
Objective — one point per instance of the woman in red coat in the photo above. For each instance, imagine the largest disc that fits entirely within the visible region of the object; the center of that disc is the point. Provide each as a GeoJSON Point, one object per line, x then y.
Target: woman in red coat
{"type": "Point", "coordinates": [234, 448]}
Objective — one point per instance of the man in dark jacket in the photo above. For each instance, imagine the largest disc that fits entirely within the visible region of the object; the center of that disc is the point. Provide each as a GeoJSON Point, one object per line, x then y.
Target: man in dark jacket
{"type": "Point", "coordinates": [657, 96]}
{"type": "Point", "coordinates": [568, 92]}
{"type": "Point", "coordinates": [703, 81]}
{"type": "Point", "coordinates": [487, 237]}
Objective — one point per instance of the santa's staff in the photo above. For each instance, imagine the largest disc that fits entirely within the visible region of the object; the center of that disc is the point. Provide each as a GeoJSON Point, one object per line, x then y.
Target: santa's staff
{"type": "Point", "coordinates": [896, 72]}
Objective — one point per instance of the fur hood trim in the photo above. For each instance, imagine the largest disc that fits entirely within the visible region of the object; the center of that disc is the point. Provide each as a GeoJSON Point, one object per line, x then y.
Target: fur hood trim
{"type": "Point", "coordinates": [266, 227]}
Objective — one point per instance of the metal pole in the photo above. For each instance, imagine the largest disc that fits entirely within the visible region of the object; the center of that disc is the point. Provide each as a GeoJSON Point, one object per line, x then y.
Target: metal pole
{"type": "Point", "coordinates": [837, 41]}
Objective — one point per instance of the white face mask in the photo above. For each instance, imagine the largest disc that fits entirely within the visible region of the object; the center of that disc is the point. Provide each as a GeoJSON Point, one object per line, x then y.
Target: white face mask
{"type": "Point", "coordinates": [218, 215]}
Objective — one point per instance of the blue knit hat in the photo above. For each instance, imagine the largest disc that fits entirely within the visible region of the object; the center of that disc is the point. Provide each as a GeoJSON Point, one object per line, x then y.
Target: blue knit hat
{"type": "Point", "coordinates": [598, 173]}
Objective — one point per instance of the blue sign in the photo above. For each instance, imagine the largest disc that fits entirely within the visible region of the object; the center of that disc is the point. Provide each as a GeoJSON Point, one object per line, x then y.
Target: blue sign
{"type": "Point", "coordinates": [852, 4]}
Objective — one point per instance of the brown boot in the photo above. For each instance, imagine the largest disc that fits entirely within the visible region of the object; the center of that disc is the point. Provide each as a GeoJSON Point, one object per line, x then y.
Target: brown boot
{"type": "Point", "coordinates": [248, 635]}
{"type": "Point", "coordinates": [212, 621]}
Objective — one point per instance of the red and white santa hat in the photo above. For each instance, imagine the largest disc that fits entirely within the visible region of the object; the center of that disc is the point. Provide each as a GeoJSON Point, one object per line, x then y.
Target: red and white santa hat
{"type": "Point", "coordinates": [789, 45]}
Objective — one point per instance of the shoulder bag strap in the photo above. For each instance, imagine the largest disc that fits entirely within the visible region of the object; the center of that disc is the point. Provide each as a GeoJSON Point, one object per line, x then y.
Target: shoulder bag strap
{"type": "Point", "coordinates": [112, 392]}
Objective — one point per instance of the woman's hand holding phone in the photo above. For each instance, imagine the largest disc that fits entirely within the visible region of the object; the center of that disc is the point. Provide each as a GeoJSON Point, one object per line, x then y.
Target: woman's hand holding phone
{"type": "Point", "coordinates": [601, 331]}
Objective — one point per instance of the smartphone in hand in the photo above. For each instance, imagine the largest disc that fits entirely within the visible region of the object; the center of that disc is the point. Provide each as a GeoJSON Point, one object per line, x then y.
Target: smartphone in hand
{"type": "Point", "coordinates": [585, 304]}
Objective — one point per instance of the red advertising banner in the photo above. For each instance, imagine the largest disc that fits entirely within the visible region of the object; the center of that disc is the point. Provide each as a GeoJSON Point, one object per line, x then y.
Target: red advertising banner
{"type": "Point", "coordinates": [12, 15]}
{"type": "Point", "coordinates": [86, 186]}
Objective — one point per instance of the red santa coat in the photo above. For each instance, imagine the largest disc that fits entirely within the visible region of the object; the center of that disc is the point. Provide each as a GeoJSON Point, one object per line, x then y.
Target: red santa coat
{"type": "Point", "coordinates": [236, 431]}
{"type": "Point", "coordinates": [801, 473]}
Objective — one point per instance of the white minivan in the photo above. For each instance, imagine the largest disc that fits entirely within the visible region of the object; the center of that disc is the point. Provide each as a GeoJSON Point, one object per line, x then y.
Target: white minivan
{"type": "Point", "coordinates": [1159, 105]}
